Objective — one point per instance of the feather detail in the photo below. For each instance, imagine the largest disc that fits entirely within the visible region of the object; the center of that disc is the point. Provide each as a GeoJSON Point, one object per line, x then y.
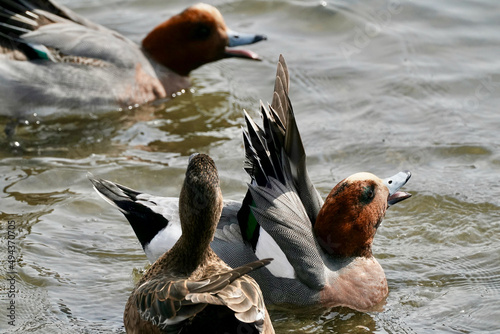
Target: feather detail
{"type": "Point", "coordinates": [279, 211]}
{"type": "Point", "coordinates": [274, 150]}
{"type": "Point", "coordinates": [167, 303]}
{"type": "Point", "coordinates": [138, 208]}
{"type": "Point", "coordinates": [29, 27]}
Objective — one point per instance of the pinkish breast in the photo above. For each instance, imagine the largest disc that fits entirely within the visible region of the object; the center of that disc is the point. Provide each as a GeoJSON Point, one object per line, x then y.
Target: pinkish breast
{"type": "Point", "coordinates": [361, 285]}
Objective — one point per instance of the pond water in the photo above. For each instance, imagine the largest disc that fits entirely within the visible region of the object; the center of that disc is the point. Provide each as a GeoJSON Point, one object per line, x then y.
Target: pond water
{"type": "Point", "coordinates": [377, 86]}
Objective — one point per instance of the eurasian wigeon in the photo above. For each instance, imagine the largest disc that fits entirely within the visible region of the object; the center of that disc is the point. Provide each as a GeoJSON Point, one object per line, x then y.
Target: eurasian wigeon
{"type": "Point", "coordinates": [322, 249]}
{"type": "Point", "coordinates": [52, 57]}
{"type": "Point", "coordinates": [189, 289]}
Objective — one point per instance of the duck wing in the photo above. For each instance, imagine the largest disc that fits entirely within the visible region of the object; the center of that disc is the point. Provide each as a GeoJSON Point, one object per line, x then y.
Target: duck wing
{"type": "Point", "coordinates": [43, 30]}
{"type": "Point", "coordinates": [281, 197]}
{"type": "Point", "coordinates": [169, 304]}
{"type": "Point", "coordinates": [279, 211]}
{"type": "Point", "coordinates": [276, 147]}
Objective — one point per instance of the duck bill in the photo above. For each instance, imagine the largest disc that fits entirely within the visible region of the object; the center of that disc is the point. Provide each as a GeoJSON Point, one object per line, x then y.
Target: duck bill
{"type": "Point", "coordinates": [394, 183]}
{"type": "Point", "coordinates": [238, 39]}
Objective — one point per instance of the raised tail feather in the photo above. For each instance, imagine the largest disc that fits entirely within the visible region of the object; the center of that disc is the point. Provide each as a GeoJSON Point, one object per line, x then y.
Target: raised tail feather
{"type": "Point", "coordinates": [145, 221]}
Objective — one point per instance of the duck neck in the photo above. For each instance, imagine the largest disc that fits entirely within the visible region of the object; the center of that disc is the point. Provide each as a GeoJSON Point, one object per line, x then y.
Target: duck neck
{"type": "Point", "coordinates": [198, 221]}
{"type": "Point", "coordinates": [342, 240]}
{"type": "Point", "coordinates": [171, 81]}
{"type": "Point", "coordinates": [193, 253]}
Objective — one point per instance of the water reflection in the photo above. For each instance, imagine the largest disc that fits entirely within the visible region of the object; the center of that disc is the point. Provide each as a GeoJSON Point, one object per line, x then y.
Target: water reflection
{"type": "Point", "coordinates": [414, 97]}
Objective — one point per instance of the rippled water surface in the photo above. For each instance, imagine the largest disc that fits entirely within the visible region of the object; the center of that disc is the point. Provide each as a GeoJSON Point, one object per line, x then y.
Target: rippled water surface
{"type": "Point", "coordinates": [377, 86]}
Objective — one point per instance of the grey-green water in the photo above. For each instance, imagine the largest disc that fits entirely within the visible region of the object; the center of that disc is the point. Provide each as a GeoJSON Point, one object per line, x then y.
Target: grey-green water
{"type": "Point", "coordinates": [377, 86]}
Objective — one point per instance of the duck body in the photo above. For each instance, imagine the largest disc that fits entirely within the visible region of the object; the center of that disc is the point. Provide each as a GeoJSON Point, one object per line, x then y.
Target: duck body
{"type": "Point", "coordinates": [51, 58]}
{"type": "Point", "coordinates": [321, 248]}
{"type": "Point", "coordinates": [189, 289]}
{"type": "Point", "coordinates": [360, 279]}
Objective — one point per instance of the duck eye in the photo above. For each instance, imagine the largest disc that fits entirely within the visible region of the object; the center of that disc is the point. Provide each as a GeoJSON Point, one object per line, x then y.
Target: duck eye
{"type": "Point", "coordinates": [202, 32]}
{"type": "Point", "coordinates": [367, 195]}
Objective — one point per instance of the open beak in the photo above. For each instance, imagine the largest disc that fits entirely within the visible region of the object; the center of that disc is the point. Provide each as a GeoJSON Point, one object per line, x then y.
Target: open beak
{"type": "Point", "coordinates": [237, 39]}
{"type": "Point", "coordinates": [394, 183]}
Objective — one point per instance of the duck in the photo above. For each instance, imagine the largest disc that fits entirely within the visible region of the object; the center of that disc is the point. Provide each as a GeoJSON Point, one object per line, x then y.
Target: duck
{"type": "Point", "coordinates": [52, 58]}
{"type": "Point", "coordinates": [322, 249]}
{"type": "Point", "coordinates": [189, 289]}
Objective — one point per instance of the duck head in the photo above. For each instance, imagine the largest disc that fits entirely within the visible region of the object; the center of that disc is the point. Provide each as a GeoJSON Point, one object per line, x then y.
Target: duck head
{"type": "Point", "coordinates": [354, 209]}
{"type": "Point", "coordinates": [195, 37]}
{"type": "Point", "coordinates": [200, 200]}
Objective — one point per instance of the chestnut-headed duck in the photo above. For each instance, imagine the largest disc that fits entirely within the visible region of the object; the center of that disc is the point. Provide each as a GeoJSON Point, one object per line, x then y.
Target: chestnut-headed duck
{"type": "Point", "coordinates": [189, 289]}
{"type": "Point", "coordinates": [52, 57]}
{"type": "Point", "coordinates": [322, 250]}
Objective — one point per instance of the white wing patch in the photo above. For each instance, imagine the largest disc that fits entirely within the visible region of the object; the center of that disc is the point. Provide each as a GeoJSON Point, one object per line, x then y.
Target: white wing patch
{"type": "Point", "coordinates": [268, 248]}
{"type": "Point", "coordinates": [163, 241]}
{"type": "Point", "coordinates": [168, 207]}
